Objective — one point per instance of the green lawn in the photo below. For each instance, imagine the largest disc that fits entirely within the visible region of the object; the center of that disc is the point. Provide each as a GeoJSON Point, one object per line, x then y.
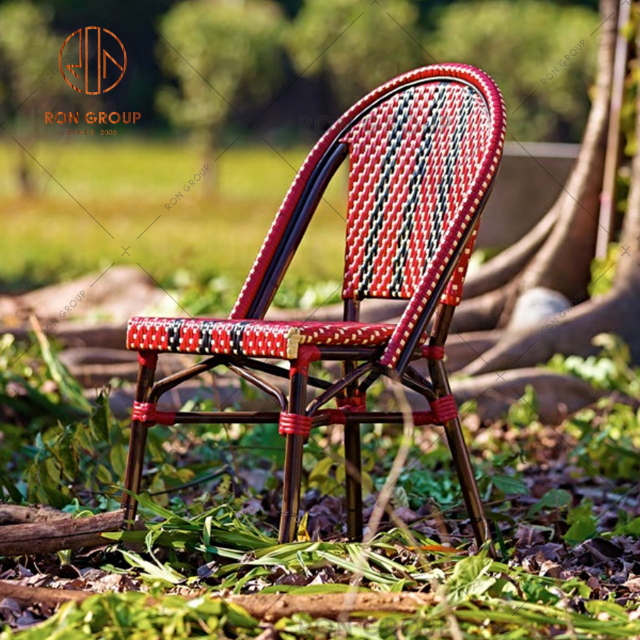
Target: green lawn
{"type": "Point", "coordinates": [125, 185]}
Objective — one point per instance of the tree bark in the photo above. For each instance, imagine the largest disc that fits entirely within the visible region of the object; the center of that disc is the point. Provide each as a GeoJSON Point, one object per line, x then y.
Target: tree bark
{"type": "Point", "coordinates": [16, 514]}
{"type": "Point", "coordinates": [563, 262]}
{"type": "Point", "coordinates": [616, 312]}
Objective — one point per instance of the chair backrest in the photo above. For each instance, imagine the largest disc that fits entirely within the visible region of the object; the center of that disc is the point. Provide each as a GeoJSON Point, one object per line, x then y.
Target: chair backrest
{"type": "Point", "coordinates": [423, 151]}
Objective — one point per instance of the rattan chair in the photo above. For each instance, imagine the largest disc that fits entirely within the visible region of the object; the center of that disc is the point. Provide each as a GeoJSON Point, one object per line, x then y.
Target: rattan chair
{"type": "Point", "coordinates": [423, 151]}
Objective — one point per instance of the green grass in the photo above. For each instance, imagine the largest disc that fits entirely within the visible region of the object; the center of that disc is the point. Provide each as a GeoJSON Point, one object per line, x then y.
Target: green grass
{"type": "Point", "coordinates": [201, 507]}
{"type": "Point", "coordinates": [125, 185]}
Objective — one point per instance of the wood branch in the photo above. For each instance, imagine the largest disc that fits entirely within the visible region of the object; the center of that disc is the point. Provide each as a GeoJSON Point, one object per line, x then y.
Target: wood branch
{"type": "Point", "coordinates": [272, 607]}
{"type": "Point", "coordinates": [40, 595]}
{"type": "Point", "coordinates": [16, 514]}
{"type": "Point", "coordinates": [269, 607]}
{"type": "Point", "coordinates": [50, 536]}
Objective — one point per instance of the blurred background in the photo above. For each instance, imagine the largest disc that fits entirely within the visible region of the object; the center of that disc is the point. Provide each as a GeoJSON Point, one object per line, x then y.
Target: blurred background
{"type": "Point", "coordinates": [245, 88]}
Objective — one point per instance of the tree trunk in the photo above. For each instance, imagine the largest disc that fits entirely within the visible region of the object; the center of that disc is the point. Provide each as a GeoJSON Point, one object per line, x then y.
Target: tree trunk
{"type": "Point", "coordinates": [563, 262]}
{"type": "Point", "coordinates": [557, 252]}
{"type": "Point", "coordinates": [616, 312]}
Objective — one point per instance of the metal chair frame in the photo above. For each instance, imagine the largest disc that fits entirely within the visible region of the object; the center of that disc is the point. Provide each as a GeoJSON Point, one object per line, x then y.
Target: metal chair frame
{"type": "Point", "coordinates": [361, 365]}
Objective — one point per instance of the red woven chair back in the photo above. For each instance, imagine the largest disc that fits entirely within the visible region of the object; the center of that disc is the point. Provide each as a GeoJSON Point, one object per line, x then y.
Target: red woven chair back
{"type": "Point", "coordinates": [423, 150]}
{"type": "Point", "coordinates": [413, 159]}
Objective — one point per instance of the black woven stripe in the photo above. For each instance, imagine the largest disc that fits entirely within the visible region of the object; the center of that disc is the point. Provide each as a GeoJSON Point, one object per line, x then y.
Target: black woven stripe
{"type": "Point", "coordinates": [410, 205]}
{"type": "Point", "coordinates": [237, 332]}
{"type": "Point", "coordinates": [173, 334]}
{"type": "Point", "coordinates": [206, 329]}
{"type": "Point", "coordinates": [376, 219]}
{"type": "Point", "coordinates": [444, 187]}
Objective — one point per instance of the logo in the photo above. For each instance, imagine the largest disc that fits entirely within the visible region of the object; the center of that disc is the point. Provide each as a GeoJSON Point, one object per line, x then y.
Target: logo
{"type": "Point", "coordinates": [104, 37]}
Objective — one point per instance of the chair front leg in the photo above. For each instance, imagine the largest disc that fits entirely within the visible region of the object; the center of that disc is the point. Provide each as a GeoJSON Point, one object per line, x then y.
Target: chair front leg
{"type": "Point", "coordinates": [453, 429]}
{"type": "Point", "coordinates": [468, 484]}
{"type": "Point", "coordinates": [460, 455]}
{"type": "Point", "coordinates": [138, 439]}
{"type": "Point", "coordinates": [295, 425]}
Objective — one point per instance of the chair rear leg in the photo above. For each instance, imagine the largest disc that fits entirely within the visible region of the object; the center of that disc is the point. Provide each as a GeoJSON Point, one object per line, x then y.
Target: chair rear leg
{"type": "Point", "coordinates": [353, 460]}
{"type": "Point", "coordinates": [295, 425]}
{"type": "Point", "coordinates": [138, 439]}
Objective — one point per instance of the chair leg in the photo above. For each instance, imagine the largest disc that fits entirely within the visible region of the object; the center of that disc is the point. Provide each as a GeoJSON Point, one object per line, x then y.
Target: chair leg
{"type": "Point", "coordinates": [457, 445]}
{"type": "Point", "coordinates": [293, 459]}
{"type": "Point", "coordinates": [137, 441]}
{"type": "Point", "coordinates": [462, 461]}
{"type": "Point", "coordinates": [353, 460]}
{"type": "Point", "coordinates": [468, 484]}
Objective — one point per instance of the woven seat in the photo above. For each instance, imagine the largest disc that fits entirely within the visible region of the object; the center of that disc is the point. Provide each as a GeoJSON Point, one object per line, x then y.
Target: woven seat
{"type": "Point", "coordinates": [268, 339]}
{"type": "Point", "coordinates": [423, 151]}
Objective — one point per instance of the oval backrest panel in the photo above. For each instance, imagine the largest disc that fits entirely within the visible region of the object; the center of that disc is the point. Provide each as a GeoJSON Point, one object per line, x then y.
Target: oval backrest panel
{"type": "Point", "coordinates": [423, 149]}
{"type": "Point", "coordinates": [413, 159]}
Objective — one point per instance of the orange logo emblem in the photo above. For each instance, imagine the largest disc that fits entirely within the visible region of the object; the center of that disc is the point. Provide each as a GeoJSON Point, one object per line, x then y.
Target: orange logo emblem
{"type": "Point", "coordinates": [103, 55]}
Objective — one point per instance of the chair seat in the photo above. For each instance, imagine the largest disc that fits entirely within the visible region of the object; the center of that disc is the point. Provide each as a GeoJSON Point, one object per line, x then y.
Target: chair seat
{"type": "Point", "coordinates": [276, 339]}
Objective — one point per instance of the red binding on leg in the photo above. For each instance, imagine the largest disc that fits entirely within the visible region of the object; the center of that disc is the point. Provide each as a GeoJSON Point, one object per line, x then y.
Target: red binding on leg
{"type": "Point", "coordinates": [444, 408]}
{"type": "Point", "coordinates": [432, 352]}
{"type": "Point", "coordinates": [306, 355]}
{"type": "Point", "coordinates": [292, 424]}
{"type": "Point", "coordinates": [147, 412]}
{"type": "Point", "coordinates": [148, 359]}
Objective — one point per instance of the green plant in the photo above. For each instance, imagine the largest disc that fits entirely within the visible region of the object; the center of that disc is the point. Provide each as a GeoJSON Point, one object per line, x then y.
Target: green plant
{"type": "Point", "coordinates": [360, 48]}
{"type": "Point", "coordinates": [608, 440]}
{"type": "Point", "coordinates": [540, 53]}
{"type": "Point", "coordinates": [234, 55]}
{"type": "Point", "coordinates": [610, 369]}
{"type": "Point", "coordinates": [603, 271]}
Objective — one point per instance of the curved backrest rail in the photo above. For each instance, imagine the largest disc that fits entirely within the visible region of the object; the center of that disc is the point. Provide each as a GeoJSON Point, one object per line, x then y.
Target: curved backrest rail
{"type": "Point", "coordinates": [423, 151]}
{"type": "Point", "coordinates": [296, 228]}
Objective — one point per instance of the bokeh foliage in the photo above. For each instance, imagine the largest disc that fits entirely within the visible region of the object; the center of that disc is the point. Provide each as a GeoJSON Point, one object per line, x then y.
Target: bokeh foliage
{"type": "Point", "coordinates": [523, 45]}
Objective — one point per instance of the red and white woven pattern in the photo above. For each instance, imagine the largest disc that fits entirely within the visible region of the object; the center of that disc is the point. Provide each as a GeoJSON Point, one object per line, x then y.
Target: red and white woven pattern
{"type": "Point", "coordinates": [248, 337]}
{"type": "Point", "coordinates": [460, 167]}
{"type": "Point", "coordinates": [412, 160]}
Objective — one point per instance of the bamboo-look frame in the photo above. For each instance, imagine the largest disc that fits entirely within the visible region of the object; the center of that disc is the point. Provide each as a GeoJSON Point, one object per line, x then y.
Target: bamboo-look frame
{"type": "Point", "coordinates": [361, 365]}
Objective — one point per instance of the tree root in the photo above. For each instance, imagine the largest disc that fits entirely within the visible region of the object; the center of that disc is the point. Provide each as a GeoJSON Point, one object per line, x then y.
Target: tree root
{"type": "Point", "coordinates": [557, 395]}
{"type": "Point", "coordinates": [55, 535]}
{"type": "Point", "coordinates": [507, 265]}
